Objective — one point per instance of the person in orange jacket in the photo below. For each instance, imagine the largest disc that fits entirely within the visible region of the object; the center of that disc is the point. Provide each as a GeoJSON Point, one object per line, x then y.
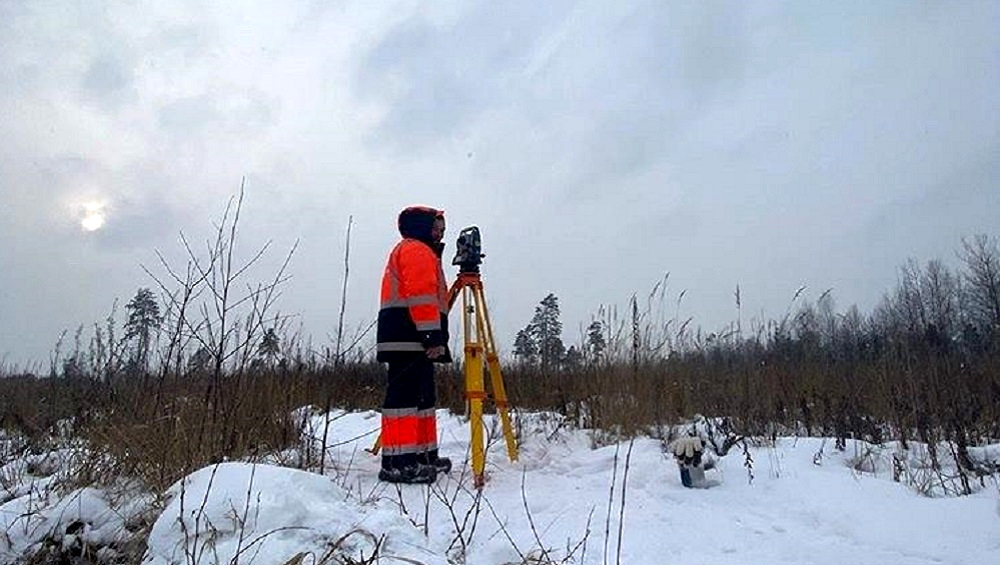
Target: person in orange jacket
{"type": "Point", "coordinates": [412, 336]}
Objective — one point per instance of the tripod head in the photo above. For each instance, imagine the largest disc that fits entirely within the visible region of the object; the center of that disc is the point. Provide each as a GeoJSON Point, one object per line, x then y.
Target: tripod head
{"type": "Point", "coordinates": [469, 250]}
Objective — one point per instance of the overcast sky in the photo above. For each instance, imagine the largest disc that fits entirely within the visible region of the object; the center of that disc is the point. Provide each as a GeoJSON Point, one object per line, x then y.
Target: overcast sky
{"type": "Point", "coordinates": [599, 145]}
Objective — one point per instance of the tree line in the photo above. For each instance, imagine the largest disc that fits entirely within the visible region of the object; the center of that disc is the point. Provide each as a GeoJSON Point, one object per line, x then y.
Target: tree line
{"type": "Point", "coordinates": [932, 306]}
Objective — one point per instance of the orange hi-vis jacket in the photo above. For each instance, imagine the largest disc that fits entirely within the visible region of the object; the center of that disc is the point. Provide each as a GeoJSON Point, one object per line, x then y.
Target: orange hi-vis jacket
{"type": "Point", "coordinates": [413, 314]}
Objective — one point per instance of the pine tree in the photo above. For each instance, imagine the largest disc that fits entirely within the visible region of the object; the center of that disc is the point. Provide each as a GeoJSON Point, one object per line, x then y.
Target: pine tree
{"type": "Point", "coordinates": [269, 348]}
{"type": "Point", "coordinates": [200, 362]}
{"type": "Point", "coordinates": [548, 332]}
{"type": "Point", "coordinates": [143, 319]}
{"type": "Point", "coordinates": [596, 344]}
{"type": "Point", "coordinates": [526, 346]}
{"type": "Point", "coordinates": [573, 359]}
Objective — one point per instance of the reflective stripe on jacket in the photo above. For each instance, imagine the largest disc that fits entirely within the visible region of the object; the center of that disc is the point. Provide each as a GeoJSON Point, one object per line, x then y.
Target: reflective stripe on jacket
{"type": "Point", "coordinates": [413, 314]}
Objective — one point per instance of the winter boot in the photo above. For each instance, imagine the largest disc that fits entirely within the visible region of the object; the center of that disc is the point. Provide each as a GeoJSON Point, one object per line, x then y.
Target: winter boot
{"type": "Point", "coordinates": [412, 474]}
{"type": "Point", "coordinates": [443, 464]}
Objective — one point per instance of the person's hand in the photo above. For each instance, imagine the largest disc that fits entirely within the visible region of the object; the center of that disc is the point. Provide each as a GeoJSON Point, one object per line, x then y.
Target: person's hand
{"type": "Point", "coordinates": [436, 351]}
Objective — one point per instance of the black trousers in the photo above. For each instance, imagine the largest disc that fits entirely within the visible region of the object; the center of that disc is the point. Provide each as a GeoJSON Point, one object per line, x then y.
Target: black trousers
{"type": "Point", "coordinates": [409, 428]}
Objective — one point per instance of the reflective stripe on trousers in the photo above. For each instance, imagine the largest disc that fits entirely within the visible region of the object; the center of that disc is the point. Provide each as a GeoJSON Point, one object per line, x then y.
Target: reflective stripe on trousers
{"type": "Point", "coordinates": [408, 430]}
{"type": "Point", "coordinates": [409, 424]}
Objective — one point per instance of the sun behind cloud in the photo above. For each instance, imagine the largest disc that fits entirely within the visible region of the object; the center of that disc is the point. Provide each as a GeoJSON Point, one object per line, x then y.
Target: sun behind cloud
{"type": "Point", "coordinates": [93, 218]}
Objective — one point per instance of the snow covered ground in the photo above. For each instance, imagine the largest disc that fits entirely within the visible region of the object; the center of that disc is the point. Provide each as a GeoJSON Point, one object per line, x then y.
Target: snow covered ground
{"type": "Point", "coordinates": [561, 502]}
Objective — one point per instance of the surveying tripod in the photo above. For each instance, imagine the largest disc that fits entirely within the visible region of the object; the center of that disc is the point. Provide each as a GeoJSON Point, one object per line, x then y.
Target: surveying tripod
{"type": "Point", "coordinates": [480, 356]}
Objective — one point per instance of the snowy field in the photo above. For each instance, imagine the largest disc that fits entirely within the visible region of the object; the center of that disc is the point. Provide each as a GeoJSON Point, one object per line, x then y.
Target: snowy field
{"type": "Point", "coordinates": [562, 502]}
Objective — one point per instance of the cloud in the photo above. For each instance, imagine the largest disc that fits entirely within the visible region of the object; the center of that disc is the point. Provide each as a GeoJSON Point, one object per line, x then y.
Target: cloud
{"type": "Point", "coordinates": [106, 75]}
{"type": "Point", "coordinates": [597, 144]}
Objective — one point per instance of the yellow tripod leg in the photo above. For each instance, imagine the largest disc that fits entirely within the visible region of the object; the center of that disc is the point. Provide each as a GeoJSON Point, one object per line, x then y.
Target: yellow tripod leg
{"type": "Point", "coordinates": [374, 449]}
{"type": "Point", "coordinates": [503, 406]}
{"type": "Point", "coordinates": [496, 377]}
{"type": "Point", "coordinates": [475, 393]}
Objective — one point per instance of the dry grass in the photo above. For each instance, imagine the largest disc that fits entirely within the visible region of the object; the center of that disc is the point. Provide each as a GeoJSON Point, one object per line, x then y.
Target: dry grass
{"type": "Point", "coordinates": [159, 427]}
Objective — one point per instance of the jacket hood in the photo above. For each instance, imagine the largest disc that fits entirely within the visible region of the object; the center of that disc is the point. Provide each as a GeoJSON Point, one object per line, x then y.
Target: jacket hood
{"type": "Point", "coordinates": [417, 221]}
